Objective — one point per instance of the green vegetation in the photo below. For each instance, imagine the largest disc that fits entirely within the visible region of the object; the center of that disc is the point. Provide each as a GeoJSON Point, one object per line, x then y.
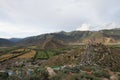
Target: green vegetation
{"type": "Point", "coordinates": [115, 46]}
{"type": "Point", "coordinates": [48, 53]}
{"type": "Point", "coordinates": [45, 54]}
{"type": "Point", "coordinates": [65, 62]}
{"type": "Point", "coordinates": [8, 50]}
{"type": "Point", "coordinates": [42, 74]}
{"type": "Point", "coordinates": [3, 75]}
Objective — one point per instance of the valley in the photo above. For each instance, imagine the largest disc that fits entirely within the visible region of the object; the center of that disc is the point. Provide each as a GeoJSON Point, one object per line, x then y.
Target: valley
{"type": "Point", "coordinates": [58, 56]}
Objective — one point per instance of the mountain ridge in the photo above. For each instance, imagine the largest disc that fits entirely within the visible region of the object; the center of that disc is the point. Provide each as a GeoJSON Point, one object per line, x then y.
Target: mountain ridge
{"type": "Point", "coordinates": [5, 42]}
{"type": "Point", "coordinates": [104, 36]}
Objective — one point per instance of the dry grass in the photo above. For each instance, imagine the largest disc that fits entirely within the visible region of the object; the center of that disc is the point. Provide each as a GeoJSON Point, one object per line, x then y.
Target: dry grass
{"type": "Point", "coordinates": [6, 56]}
{"type": "Point", "coordinates": [27, 55]}
{"type": "Point", "coordinates": [19, 50]}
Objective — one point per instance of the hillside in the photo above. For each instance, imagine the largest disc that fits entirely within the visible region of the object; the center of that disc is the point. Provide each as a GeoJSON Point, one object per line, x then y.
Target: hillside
{"type": "Point", "coordinates": [72, 57]}
{"type": "Point", "coordinates": [5, 42]}
{"type": "Point", "coordinates": [99, 54]}
{"type": "Point", "coordinates": [52, 44]}
{"type": "Point", "coordinates": [15, 39]}
{"type": "Point", "coordinates": [93, 54]}
{"type": "Point", "coordinates": [104, 36]}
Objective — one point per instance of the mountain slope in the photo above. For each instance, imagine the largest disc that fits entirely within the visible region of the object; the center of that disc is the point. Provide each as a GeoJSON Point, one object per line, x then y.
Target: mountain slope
{"type": "Point", "coordinates": [99, 54]}
{"type": "Point", "coordinates": [65, 37]}
{"type": "Point", "coordinates": [113, 33]}
{"type": "Point", "coordinates": [93, 54]}
{"type": "Point", "coordinates": [104, 36]}
{"type": "Point", "coordinates": [52, 44]}
{"type": "Point", "coordinates": [5, 42]}
{"type": "Point", "coordinates": [15, 39]}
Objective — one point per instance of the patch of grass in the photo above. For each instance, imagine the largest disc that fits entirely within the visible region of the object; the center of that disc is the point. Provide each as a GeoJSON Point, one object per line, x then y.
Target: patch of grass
{"type": "Point", "coordinates": [45, 54]}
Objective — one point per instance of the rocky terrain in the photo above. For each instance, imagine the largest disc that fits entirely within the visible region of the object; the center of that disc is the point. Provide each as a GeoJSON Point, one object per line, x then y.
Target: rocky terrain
{"type": "Point", "coordinates": [92, 54]}
{"type": "Point", "coordinates": [99, 54]}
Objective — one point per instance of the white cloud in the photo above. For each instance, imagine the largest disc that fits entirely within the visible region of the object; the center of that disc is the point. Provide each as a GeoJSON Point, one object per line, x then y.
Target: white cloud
{"type": "Point", "coordinates": [110, 26]}
{"type": "Point", "coordinates": [42, 16]}
{"type": "Point", "coordinates": [8, 30]}
{"type": "Point", "coordinates": [84, 27]}
{"type": "Point", "coordinates": [12, 28]}
{"type": "Point", "coordinates": [105, 26]}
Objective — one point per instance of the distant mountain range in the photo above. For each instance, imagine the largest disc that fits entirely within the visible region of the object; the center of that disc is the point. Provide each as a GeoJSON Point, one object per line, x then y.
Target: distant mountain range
{"type": "Point", "coordinates": [15, 39]}
{"type": "Point", "coordinates": [5, 42]}
{"type": "Point", "coordinates": [104, 36]}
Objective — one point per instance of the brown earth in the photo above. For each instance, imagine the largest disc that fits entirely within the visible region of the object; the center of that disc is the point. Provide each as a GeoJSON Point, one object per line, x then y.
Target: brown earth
{"type": "Point", "coordinates": [28, 55]}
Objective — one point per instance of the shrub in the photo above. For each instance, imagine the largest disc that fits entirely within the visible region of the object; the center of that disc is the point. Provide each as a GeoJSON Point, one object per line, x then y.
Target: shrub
{"type": "Point", "coordinates": [57, 77]}
{"type": "Point", "coordinates": [101, 74]}
{"type": "Point", "coordinates": [3, 75]}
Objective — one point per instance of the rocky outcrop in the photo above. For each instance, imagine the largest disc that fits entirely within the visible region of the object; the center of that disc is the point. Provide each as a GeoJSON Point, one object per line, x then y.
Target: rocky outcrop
{"type": "Point", "coordinates": [94, 54]}
{"type": "Point", "coordinates": [99, 54]}
{"type": "Point", "coordinates": [50, 71]}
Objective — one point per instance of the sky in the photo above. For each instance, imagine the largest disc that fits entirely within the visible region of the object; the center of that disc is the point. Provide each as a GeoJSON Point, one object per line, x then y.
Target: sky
{"type": "Point", "coordinates": [23, 18]}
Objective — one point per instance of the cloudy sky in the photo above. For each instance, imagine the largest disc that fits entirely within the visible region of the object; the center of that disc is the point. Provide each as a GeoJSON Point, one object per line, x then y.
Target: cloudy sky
{"type": "Point", "coordinates": [21, 18]}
